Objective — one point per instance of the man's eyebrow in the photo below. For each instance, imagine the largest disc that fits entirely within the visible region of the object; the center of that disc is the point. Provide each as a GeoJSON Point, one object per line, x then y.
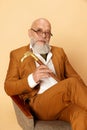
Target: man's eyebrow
{"type": "Point", "coordinates": [39, 28]}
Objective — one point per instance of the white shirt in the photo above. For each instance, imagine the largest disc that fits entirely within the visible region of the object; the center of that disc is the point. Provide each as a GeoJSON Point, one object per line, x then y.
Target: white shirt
{"type": "Point", "coordinates": [45, 83]}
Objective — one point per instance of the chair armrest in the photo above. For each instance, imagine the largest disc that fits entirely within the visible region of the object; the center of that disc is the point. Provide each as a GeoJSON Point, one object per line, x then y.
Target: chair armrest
{"type": "Point", "coordinates": [22, 106]}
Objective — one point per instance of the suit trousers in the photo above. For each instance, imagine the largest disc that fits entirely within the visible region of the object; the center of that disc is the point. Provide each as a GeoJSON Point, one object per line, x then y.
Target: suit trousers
{"type": "Point", "coordinates": [66, 100]}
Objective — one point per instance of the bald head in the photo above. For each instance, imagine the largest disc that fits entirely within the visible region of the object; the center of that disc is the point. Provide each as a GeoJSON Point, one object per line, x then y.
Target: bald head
{"type": "Point", "coordinates": [41, 22]}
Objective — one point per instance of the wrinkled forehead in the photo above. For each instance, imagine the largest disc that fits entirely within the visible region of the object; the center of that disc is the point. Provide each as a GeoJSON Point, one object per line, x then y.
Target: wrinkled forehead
{"type": "Point", "coordinates": [41, 24]}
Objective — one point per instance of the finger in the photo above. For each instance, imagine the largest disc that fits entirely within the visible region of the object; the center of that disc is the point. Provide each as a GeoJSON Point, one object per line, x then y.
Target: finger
{"type": "Point", "coordinates": [44, 69]}
{"type": "Point", "coordinates": [44, 75]}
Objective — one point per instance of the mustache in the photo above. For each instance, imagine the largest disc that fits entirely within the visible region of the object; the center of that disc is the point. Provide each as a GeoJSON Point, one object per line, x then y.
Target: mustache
{"type": "Point", "coordinates": [34, 41]}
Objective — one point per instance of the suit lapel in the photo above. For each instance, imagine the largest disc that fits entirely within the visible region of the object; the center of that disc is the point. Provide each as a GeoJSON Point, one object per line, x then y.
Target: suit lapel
{"type": "Point", "coordinates": [56, 63]}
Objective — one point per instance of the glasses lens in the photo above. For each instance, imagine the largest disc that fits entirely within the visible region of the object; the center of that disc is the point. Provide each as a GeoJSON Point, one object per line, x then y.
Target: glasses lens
{"type": "Point", "coordinates": [40, 32]}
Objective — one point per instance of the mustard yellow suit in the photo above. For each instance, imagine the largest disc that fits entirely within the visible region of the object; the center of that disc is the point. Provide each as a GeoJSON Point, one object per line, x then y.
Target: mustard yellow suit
{"type": "Point", "coordinates": [66, 100]}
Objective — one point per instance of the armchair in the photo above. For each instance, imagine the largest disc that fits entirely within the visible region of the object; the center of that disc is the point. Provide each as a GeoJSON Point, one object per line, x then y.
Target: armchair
{"type": "Point", "coordinates": [27, 121]}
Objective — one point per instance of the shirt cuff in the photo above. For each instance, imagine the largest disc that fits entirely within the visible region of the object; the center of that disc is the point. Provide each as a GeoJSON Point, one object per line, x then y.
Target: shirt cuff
{"type": "Point", "coordinates": [31, 81]}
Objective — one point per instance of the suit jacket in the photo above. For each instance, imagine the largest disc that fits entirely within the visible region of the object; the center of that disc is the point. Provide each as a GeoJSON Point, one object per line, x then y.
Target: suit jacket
{"type": "Point", "coordinates": [16, 82]}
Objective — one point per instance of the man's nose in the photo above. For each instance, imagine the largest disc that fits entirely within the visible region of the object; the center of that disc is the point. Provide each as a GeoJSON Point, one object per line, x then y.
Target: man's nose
{"type": "Point", "coordinates": [44, 34]}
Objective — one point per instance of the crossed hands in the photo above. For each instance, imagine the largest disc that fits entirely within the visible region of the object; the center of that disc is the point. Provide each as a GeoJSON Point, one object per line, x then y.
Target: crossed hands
{"type": "Point", "coordinates": [41, 72]}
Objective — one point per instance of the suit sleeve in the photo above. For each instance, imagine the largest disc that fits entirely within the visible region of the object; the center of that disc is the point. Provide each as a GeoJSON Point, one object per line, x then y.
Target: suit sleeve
{"type": "Point", "coordinates": [13, 83]}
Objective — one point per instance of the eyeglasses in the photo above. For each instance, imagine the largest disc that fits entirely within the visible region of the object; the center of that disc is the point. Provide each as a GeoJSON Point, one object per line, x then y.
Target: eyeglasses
{"type": "Point", "coordinates": [40, 33]}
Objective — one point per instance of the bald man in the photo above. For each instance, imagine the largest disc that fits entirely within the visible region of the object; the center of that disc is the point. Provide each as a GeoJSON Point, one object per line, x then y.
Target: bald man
{"type": "Point", "coordinates": [42, 75]}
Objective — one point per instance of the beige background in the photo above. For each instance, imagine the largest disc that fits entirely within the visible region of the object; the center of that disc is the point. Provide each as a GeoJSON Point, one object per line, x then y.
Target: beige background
{"type": "Point", "coordinates": [69, 27]}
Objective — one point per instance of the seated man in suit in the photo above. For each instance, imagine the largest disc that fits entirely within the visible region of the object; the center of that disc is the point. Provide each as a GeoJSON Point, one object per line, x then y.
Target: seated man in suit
{"type": "Point", "coordinates": [42, 75]}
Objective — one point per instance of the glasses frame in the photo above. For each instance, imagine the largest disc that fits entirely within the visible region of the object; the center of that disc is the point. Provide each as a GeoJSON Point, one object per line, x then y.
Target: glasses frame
{"type": "Point", "coordinates": [40, 32]}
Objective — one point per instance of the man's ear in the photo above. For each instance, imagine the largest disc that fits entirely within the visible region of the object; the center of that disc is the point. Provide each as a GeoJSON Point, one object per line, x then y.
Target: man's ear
{"type": "Point", "coordinates": [29, 32]}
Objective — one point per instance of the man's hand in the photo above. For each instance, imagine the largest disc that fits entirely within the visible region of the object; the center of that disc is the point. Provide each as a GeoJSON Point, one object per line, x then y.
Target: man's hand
{"type": "Point", "coordinates": [41, 72]}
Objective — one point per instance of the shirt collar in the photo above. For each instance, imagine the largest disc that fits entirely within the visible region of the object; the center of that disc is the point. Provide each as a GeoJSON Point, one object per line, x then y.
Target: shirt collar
{"type": "Point", "coordinates": [42, 59]}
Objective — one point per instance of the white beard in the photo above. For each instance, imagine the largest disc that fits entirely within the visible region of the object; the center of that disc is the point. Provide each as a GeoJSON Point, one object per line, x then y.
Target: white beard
{"type": "Point", "coordinates": [40, 48]}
